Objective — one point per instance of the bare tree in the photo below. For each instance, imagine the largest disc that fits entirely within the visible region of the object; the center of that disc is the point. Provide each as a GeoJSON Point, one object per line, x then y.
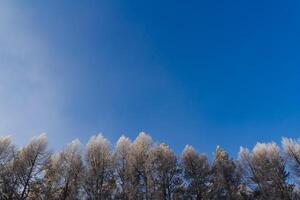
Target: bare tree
{"type": "Point", "coordinates": [264, 170]}
{"type": "Point", "coordinates": [99, 180]}
{"type": "Point", "coordinates": [196, 172]}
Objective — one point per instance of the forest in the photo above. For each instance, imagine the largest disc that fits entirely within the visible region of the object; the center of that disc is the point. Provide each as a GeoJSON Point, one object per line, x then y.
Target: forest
{"type": "Point", "coordinates": [145, 170]}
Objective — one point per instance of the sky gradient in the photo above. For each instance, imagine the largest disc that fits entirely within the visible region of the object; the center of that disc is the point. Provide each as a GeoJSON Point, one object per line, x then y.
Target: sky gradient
{"type": "Point", "coordinates": [203, 73]}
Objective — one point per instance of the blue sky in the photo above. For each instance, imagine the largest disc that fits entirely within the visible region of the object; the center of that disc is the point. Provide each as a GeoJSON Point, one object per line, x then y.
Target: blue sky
{"type": "Point", "coordinates": [204, 73]}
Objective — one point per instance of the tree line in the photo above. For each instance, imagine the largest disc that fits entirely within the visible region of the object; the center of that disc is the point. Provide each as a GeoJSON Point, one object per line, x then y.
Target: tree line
{"type": "Point", "coordinates": [145, 170]}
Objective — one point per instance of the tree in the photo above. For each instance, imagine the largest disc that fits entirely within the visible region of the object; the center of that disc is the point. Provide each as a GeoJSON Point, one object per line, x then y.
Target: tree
{"type": "Point", "coordinates": [196, 172]}
{"type": "Point", "coordinates": [70, 169]}
{"type": "Point", "coordinates": [99, 181]}
{"type": "Point", "coordinates": [139, 169]}
{"type": "Point", "coordinates": [6, 151]}
{"type": "Point", "coordinates": [264, 170]}
{"type": "Point", "coordinates": [292, 153]}
{"type": "Point", "coordinates": [7, 177]}
{"type": "Point", "coordinates": [146, 170]}
{"type": "Point", "coordinates": [226, 178]}
{"type": "Point", "coordinates": [122, 167]}
{"type": "Point", "coordinates": [166, 172]}
{"type": "Point", "coordinates": [28, 166]}
{"type": "Point", "coordinates": [53, 179]}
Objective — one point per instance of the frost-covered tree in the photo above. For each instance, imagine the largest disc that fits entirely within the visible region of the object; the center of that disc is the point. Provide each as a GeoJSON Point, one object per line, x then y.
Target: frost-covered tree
{"type": "Point", "coordinates": [225, 177]}
{"type": "Point", "coordinates": [70, 169]}
{"type": "Point", "coordinates": [6, 151]}
{"type": "Point", "coordinates": [292, 153]}
{"type": "Point", "coordinates": [122, 167]}
{"type": "Point", "coordinates": [144, 170]}
{"type": "Point", "coordinates": [196, 172]}
{"type": "Point", "coordinates": [264, 171]}
{"type": "Point", "coordinates": [7, 177]}
{"type": "Point", "coordinates": [99, 180]}
{"type": "Point", "coordinates": [141, 180]}
{"type": "Point", "coordinates": [28, 166]}
{"type": "Point", "coordinates": [166, 173]}
{"type": "Point", "coordinates": [291, 150]}
{"type": "Point", "coordinates": [53, 180]}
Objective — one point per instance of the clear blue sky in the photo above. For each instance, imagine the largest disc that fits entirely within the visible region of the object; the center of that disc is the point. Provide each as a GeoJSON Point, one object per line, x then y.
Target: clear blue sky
{"type": "Point", "coordinates": [204, 73]}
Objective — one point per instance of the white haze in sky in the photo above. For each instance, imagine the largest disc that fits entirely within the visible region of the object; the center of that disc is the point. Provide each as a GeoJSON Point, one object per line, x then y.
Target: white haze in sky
{"type": "Point", "coordinates": [30, 98]}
